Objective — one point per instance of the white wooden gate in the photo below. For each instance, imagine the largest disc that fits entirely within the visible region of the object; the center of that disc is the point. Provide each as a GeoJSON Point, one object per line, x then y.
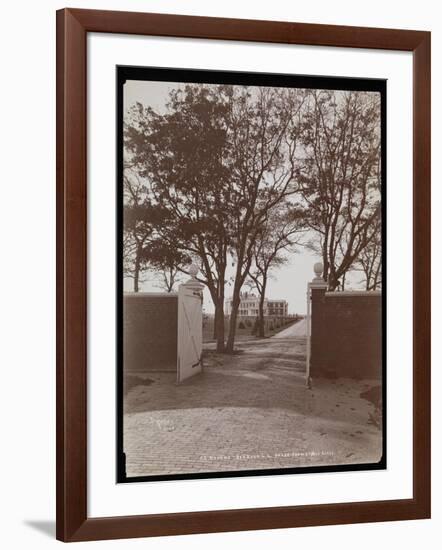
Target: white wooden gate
{"type": "Point", "coordinates": [190, 328]}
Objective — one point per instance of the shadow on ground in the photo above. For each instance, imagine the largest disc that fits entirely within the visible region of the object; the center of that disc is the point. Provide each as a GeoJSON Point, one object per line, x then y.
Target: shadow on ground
{"type": "Point", "coordinates": [47, 527]}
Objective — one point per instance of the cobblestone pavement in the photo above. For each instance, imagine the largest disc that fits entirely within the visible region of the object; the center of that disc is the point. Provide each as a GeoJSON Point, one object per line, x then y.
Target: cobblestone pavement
{"type": "Point", "coordinates": [247, 411]}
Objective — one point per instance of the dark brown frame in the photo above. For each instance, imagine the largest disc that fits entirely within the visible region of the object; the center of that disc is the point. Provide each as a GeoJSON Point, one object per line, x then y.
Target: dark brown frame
{"type": "Point", "coordinates": [73, 523]}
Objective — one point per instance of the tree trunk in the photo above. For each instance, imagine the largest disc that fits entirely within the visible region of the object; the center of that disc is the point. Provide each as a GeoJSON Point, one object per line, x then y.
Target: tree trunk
{"type": "Point", "coordinates": [215, 324]}
{"type": "Point", "coordinates": [241, 271]}
{"type": "Point", "coordinates": [219, 327]}
{"type": "Point", "coordinates": [218, 322]}
{"type": "Point", "coordinates": [325, 265]}
{"type": "Point", "coordinates": [261, 325]}
{"type": "Point", "coordinates": [333, 284]}
{"type": "Point", "coordinates": [219, 313]}
{"type": "Point", "coordinates": [137, 273]}
{"type": "Point", "coordinates": [367, 280]}
{"type": "Point", "coordinates": [236, 300]}
{"type": "Point", "coordinates": [332, 279]}
{"type": "Point", "coordinates": [217, 293]}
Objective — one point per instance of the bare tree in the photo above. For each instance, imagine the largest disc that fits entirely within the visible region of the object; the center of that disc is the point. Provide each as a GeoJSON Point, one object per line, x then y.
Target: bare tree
{"type": "Point", "coordinates": [263, 132]}
{"type": "Point", "coordinates": [137, 229]}
{"type": "Point", "coordinates": [167, 262]}
{"type": "Point", "coordinates": [218, 161]}
{"type": "Point", "coordinates": [341, 177]}
{"type": "Point", "coordinates": [167, 278]}
{"type": "Point", "coordinates": [279, 234]}
{"type": "Point", "coordinates": [370, 263]}
{"type": "Point", "coordinates": [181, 155]}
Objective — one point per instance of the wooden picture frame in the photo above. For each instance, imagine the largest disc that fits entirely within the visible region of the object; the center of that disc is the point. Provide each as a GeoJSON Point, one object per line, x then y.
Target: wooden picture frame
{"type": "Point", "coordinates": [73, 523]}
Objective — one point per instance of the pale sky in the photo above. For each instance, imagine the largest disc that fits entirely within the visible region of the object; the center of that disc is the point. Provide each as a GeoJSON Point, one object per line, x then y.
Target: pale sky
{"type": "Point", "coordinates": [152, 94]}
{"type": "Point", "coordinates": [286, 283]}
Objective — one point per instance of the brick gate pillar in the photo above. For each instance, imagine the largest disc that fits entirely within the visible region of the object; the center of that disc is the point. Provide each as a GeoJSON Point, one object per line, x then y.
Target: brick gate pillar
{"type": "Point", "coordinates": [318, 324]}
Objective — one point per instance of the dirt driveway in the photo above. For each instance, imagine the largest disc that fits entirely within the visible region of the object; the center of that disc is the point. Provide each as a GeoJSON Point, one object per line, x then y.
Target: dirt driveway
{"type": "Point", "coordinates": [248, 411]}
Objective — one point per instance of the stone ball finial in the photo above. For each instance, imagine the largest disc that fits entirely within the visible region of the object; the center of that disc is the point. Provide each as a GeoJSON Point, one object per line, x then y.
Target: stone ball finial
{"type": "Point", "coordinates": [318, 268]}
{"type": "Point", "coordinates": [193, 270]}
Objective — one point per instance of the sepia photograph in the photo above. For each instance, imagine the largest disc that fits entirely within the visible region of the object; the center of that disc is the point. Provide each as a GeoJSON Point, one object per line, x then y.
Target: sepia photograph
{"type": "Point", "coordinates": [250, 267]}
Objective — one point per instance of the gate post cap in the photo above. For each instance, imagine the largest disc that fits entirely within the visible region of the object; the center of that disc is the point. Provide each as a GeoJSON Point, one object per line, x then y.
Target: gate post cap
{"type": "Point", "coordinates": [318, 282]}
{"type": "Point", "coordinates": [193, 282]}
{"type": "Point", "coordinates": [318, 268]}
{"type": "Point", "coordinates": [193, 270]}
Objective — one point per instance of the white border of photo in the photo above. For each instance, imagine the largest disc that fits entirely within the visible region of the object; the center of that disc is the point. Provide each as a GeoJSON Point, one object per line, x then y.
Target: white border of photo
{"type": "Point", "coordinates": [105, 496]}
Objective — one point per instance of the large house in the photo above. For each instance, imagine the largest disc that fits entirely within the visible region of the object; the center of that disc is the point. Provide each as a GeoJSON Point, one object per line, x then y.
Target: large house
{"type": "Point", "coordinates": [249, 306]}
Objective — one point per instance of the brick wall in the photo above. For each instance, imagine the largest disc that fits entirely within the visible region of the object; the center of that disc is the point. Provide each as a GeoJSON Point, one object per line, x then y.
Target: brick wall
{"type": "Point", "coordinates": [150, 331]}
{"type": "Point", "coordinates": [346, 334]}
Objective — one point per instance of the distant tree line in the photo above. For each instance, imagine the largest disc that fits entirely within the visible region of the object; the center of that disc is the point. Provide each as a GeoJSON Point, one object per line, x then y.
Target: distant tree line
{"type": "Point", "coordinates": [234, 177]}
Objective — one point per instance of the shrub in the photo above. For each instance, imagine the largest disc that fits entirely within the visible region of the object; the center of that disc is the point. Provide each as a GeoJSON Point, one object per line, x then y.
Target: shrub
{"type": "Point", "coordinates": [241, 325]}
